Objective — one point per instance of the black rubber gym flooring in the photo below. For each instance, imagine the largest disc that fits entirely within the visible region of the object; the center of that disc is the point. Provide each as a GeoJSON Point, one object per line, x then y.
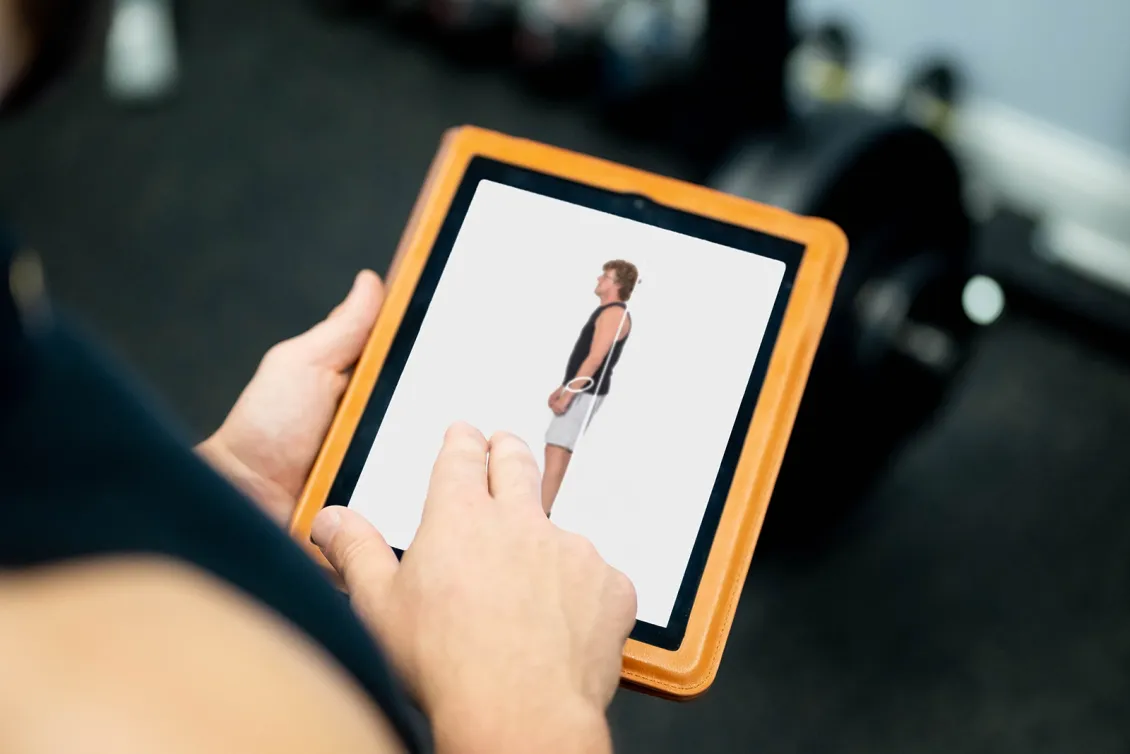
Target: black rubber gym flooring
{"type": "Point", "coordinates": [982, 602]}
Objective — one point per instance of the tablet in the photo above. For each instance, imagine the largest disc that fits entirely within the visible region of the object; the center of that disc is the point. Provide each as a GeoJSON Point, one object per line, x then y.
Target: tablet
{"type": "Point", "coordinates": [662, 445]}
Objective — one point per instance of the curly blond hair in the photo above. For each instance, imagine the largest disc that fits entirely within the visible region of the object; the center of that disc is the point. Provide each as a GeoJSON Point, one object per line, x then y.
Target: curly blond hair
{"type": "Point", "coordinates": [626, 276]}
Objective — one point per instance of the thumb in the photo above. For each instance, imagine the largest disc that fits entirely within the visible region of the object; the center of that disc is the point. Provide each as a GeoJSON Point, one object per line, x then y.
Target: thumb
{"type": "Point", "coordinates": [337, 341]}
{"type": "Point", "coordinates": [359, 553]}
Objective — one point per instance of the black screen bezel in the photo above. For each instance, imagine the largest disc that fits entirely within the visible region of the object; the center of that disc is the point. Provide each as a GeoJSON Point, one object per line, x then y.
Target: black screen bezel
{"type": "Point", "coordinates": [629, 206]}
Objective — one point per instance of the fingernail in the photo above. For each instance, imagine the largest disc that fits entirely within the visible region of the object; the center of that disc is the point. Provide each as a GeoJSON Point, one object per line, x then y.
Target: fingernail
{"type": "Point", "coordinates": [326, 524]}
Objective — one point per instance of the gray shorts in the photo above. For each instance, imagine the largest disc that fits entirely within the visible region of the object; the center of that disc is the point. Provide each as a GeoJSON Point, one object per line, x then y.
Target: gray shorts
{"type": "Point", "coordinates": [565, 430]}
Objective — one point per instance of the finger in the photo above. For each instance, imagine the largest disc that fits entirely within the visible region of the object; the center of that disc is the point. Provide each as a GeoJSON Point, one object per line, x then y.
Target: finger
{"type": "Point", "coordinates": [460, 470]}
{"type": "Point", "coordinates": [358, 552]}
{"type": "Point", "coordinates": [512, 472]}
{"type": "Point", "coordinates": [337, 341]}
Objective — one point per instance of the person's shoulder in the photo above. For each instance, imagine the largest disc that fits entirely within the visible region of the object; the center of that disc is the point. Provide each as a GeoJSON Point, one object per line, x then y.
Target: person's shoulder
{"type": "Point", "coordinates": [219, 633]}
{"type": "Point", "coordinates": [613, 314]}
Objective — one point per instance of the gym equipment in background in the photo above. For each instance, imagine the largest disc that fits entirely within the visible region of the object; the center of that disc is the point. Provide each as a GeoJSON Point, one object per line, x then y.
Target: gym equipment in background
{"type": "Point", "coordinates": [819, 69]}
{"type": "Point", "coordinates": [556, 43]}
{"type": "Point", "coordinates": [692, 76]}
{"type": "Point", "coordinates": [931, 94]}
{"type": "Point", "coordinates": [141, 63]}
{"type": "Point", "coordinates": [648, 50]}
{"type": "Point", "coordinates": [899, 333]}
{"type": "Point", "coordinates": [909, 303]}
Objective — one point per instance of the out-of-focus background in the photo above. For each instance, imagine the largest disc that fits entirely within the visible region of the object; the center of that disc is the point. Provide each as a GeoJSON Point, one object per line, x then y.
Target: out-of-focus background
{"type": "Point", "coordinates": [215, 173]}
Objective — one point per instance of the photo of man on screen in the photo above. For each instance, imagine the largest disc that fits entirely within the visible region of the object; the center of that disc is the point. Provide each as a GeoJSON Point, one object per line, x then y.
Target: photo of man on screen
{"type": "Point", "coordinates": [588, 372]}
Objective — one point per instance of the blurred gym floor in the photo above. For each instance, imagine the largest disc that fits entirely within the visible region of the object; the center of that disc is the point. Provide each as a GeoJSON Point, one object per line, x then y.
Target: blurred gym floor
{"type": "Point", "coordinates": [981, 602]}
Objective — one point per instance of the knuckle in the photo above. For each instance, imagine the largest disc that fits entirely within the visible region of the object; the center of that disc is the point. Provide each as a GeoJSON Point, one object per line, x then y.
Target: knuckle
{"type": "Point", "coordinates": [505, 443]}
{"type": "Point", "coordinates": [279, 353]}
{"type": "Point", "coordinates": [501, 437]}
{"type": "Point", "coordinates": [351, 552]}
{"type": "Point", "coordinates": [461, 434]}
{"type": "Point", "coordinates": [582, 549]}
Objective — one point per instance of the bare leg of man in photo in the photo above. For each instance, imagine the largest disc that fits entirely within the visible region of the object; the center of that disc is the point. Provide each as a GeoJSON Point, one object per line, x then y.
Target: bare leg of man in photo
{"type": "Point", "coordinates": [556, 462]}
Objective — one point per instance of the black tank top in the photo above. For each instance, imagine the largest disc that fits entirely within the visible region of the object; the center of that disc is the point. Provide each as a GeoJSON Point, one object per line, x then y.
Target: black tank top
{"type": "Point", "coordinates": [602, 377]}
{"type": "Point", "coordinates": [91, 465]}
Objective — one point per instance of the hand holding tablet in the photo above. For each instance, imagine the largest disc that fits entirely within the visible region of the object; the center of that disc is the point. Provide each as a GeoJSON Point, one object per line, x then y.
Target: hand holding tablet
{"type": "Point", "coordinates": [670, 406]}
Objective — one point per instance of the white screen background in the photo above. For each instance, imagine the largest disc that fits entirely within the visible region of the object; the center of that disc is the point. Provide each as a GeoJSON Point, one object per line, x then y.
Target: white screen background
{"type": "Point", "coordinates": [515, 292]}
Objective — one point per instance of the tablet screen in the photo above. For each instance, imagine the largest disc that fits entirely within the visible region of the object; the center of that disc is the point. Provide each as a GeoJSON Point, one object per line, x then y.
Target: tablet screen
{"type": "Point", "coordinates": [624, 341]}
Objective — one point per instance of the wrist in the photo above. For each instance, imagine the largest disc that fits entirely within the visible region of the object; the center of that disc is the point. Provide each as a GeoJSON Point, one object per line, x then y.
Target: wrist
{"type": "Point", "coordinates": [521, 722]}
{"type": "Point", "coordinates": [261, 491]}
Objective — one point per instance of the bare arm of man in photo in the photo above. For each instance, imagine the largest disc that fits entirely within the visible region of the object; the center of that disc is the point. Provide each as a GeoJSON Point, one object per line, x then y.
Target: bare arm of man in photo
{"type": "Point", "coordinates": [607, 325]}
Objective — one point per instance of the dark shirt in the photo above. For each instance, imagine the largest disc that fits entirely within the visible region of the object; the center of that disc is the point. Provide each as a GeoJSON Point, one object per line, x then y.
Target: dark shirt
{"type": "Point", "coordinates": [602, 377]}
{"type": "Point", "coordinates": [92, 464]}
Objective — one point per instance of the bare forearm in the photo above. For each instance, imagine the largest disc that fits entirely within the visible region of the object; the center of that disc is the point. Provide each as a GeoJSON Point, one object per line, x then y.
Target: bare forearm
{"type": "Point", "coordinates": [590, 365]}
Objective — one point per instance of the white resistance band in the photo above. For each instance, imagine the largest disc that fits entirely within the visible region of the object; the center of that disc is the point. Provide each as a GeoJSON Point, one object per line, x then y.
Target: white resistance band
{"type": "Point", "coordinates": [567, 387]}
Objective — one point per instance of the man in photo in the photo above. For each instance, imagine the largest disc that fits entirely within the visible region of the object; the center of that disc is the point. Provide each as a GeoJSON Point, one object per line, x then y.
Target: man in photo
{"type": "Point", "coordinates": [588, 375]}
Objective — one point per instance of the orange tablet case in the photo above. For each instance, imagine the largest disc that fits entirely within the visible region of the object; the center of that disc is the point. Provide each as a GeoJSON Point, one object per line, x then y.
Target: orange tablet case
{"type": "Point", "coordinates": [689, 670]}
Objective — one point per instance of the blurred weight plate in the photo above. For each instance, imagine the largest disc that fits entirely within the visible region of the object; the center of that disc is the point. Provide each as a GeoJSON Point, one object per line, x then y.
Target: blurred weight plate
{"type": "Point", "coordinates": [898, 334]}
